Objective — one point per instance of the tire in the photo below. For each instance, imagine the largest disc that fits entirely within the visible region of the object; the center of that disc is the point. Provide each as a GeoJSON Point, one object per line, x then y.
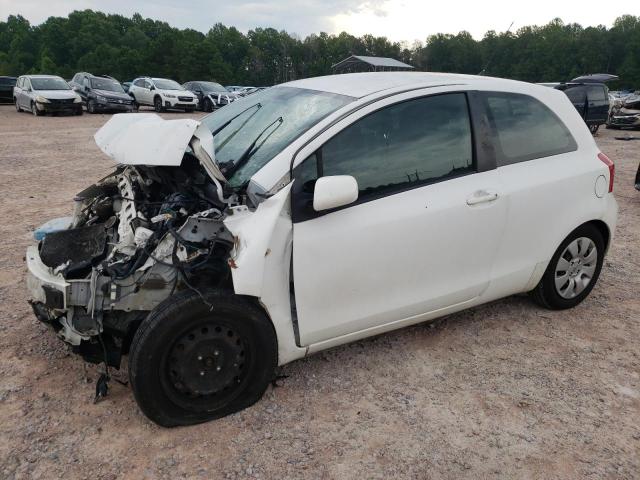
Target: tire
{"type": "Point", "coordinates": [594, 129]}
{"type": "Point", "coordinates": [18, 108]}
{"type": "Point", "coordinates": [91, 106]}
{"type": "Point", "coordinates": [560, 294]}
{"type": "Point", "coordinates": [157, 105]}
{"type": "Point", "coordinates": [180, 363]}
{"type": "Point", "coordinates": [207, 106]}
{"type": "Point", "coordinates": [35, 111]}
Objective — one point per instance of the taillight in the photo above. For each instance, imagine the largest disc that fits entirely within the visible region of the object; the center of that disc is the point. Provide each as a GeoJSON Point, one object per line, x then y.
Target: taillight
{"type": "Point", "coordinates": [612, 168]}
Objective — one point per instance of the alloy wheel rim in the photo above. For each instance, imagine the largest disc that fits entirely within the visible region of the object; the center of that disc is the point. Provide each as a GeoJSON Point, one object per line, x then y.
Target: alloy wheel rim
{"type": "Point", "coordinates": [576, 267]}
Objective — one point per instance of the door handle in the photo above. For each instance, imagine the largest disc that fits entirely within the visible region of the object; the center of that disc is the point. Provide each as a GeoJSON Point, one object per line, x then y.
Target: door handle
{"type": "Point", "coordinates": [481, 196]}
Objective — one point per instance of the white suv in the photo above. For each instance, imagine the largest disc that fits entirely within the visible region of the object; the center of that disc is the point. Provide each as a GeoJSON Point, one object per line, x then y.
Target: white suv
{"type": "Point", "coordinates": [162, 94]}
{"type": "Point", "coordinates": [313, 214]}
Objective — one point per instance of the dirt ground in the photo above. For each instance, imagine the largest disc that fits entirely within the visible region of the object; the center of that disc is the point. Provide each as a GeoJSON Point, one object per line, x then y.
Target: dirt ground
{"type": "Point", "coordinates": [507, 390]}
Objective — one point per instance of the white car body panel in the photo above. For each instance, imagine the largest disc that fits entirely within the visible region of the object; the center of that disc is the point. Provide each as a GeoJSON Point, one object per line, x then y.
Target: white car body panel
{"type": "Point", "coordinates": [326, 320]}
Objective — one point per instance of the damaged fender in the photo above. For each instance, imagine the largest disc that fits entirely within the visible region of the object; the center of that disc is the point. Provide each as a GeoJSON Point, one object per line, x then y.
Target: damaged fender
{"type": "Point", "coordinates": [260, 264]}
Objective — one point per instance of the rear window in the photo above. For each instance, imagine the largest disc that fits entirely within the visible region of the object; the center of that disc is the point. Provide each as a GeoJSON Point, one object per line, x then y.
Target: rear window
{"type": "Point", "coordinates": [7, 81]}
{"type": "Point", "coordinates": [526, 129]}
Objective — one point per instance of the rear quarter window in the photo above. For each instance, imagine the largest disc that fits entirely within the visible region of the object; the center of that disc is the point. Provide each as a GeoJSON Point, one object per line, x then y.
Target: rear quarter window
{"type": "Point", "coordinates": [525, 128]}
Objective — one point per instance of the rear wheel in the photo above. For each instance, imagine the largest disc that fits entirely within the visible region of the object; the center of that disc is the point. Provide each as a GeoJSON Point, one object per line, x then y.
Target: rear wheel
{"type": "Point", "coordinates": [593, 129]}
{"type": "Point", "coordinates": [191, 362]}
{"type": "Point", "coordinates": [573, 270]}
{"type": "Point", "coordinates": [208, 105]}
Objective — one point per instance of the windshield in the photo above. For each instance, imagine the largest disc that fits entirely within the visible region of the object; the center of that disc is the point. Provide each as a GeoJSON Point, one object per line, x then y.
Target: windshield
{"type": "Point", "coordinates": [213, 87]}
{"type": "Point", "coordinates": [106, 84]}
{"type": "Point", "coordinates": [248, 133]}
{"type": "Point", "coordinates": [50, 83]}
{"type": "Point", "coordinates": [163, 84]}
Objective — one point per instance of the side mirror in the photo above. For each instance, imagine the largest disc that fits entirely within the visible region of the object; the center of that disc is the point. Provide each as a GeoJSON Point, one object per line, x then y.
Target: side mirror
{"type": "Point", "coordinates": [334, 191]}
{"type": "Point", "coordinates": [152, 87]}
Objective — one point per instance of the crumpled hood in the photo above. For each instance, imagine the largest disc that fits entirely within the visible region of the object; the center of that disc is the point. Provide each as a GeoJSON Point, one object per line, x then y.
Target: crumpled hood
{"type": "Point", "coordinates": [148, 139]}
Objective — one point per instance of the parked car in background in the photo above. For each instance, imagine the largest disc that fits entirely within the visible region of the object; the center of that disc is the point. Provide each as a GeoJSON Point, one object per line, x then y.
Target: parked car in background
{"type": "Point", "coordinates": [41, 94]}
{"type": "Point", "coordinates": [6, 89]}
{"type": "Point", "coordinates": [591, 100]}
{"type": "Point", "coordinates": [313, 214]}
{"type": "Point", "coordinates": [234, 88]}
{"type": "Point", "coordinates": [627, 115]}
{"type": "Point", "coordinates": [101, 93]}
{"type": "Point", "coordinates": [211, 95]}
{"type": "Point", "coordinates": [162, 94]}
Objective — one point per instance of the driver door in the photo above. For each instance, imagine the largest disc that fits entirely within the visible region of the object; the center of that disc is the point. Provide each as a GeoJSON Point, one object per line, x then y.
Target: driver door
{"type": "Point", "coordinates": [422, 235]}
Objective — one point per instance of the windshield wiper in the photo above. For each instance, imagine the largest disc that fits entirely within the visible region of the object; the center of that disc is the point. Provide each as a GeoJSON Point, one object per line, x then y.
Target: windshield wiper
{"type": "Point", "coordinates": [226, 124]}
{"type": "Point", "coordinates": [229, 168]}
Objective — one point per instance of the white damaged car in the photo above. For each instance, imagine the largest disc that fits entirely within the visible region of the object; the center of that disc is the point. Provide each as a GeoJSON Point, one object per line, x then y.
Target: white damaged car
{"type": "Point", "coordinates": [312, 214]}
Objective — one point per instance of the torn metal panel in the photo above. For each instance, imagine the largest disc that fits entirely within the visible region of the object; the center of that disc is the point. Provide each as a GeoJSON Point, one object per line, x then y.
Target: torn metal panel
{"type": "Point", "coordinates": [148, 139]}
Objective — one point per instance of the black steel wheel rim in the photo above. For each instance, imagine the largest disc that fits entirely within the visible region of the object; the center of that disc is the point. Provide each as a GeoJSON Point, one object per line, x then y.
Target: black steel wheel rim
{"type": "Point", "coordinates": [206, 366]}
{"type": "Point", "coordinates": [158, 104]}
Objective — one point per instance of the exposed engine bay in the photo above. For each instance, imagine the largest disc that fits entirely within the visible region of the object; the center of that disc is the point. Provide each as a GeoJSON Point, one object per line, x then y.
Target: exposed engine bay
{"type": "Point", "coordinates": [136, 237]}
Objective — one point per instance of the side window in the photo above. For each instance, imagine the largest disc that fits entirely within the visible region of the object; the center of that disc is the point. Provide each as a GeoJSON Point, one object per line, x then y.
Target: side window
{"type": "Point", "coordinates": [147, 84]}
{"type": "Point", "coordinates": [596, 93]}
{"type": "Point", "coordinates": [577, 95]}
{"type": "Point", "coordinates": [399, 147]}
{"type": "Point", "coordinates": [139, 83]}
{"type": "Point", "coordinates": [525, 128]}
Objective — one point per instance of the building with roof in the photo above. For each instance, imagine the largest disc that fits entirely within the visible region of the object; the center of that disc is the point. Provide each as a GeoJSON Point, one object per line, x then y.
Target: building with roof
{"type": "Point", "coordinates": [359, 63]}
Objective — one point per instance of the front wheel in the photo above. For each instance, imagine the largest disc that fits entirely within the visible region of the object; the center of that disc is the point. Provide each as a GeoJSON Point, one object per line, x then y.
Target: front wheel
{"type": "Point", "coordinates": [192, 360]}
{"type": "Point", "coordinates": [573, 270]}
{"type": "Point", "coordinates": [593, 129]}
{"type": "Point", "coordinates": [157, 105]}
{"type": "Point", "coordinates": [35, 111]}
{"type": "Point", "coordinates": [91, 106]}
{"type": "Point", "coordinates": [18, 108]}
{"type": "Point", "coordinates": [208, 106]}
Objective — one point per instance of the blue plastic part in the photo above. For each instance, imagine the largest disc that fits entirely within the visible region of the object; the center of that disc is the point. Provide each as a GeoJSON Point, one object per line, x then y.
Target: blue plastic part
{"type": "Point", "coordinates": [53, 225]}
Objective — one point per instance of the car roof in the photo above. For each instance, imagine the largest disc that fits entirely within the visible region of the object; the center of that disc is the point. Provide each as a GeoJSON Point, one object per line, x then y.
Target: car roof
{"type": "Point", "coordinates": [360, 85]}
{"type": "Point", "coordinates": [42, 76]}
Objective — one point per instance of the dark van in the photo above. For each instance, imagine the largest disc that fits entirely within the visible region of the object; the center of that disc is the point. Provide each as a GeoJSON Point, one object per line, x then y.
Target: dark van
{"type": "Point", "coordinates": [590, 99]}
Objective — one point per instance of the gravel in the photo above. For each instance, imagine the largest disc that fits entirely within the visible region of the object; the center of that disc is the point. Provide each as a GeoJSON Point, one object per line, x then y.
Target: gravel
{"type": "Point", "coordinates": [504, 390]}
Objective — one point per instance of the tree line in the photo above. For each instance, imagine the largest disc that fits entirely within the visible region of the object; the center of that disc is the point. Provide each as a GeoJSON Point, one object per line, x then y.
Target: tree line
{"type": "Point", "coordinates": [128, 47]}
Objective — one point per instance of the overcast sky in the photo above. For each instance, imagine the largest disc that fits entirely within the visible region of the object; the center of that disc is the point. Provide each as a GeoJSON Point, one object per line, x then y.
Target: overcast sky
{"type": "Point", "coordinates": [399, 20]}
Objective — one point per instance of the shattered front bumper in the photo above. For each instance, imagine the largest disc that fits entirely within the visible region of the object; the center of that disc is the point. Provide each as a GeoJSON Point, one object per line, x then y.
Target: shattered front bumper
{"type": "Point", "coordinates": [53, 298]}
